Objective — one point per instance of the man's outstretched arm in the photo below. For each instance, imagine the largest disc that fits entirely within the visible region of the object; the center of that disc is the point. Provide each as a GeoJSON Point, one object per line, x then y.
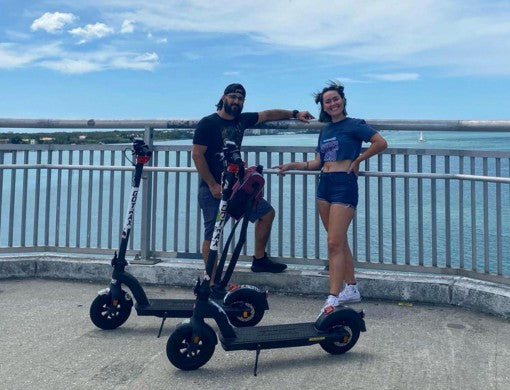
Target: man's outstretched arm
{"type": "Point", "coordinates": [277, 114]}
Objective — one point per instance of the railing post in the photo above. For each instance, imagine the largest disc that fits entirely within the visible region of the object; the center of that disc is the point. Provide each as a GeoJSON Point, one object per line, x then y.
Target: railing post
{"type": "Point", "coordinates": [146, 212]}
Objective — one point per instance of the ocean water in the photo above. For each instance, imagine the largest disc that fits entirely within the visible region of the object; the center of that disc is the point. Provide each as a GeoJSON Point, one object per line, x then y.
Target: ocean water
{"type": "Point", "coordinates": [490, 141]}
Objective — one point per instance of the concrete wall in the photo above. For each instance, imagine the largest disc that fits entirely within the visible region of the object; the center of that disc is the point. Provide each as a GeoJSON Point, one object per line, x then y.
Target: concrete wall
{"type": "Point", "coordinates": [472, 294]}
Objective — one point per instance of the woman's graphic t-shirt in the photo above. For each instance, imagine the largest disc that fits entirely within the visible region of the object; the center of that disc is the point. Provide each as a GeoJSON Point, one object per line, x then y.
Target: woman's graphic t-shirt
{"type": "Point", "coordinates": [342, 140]}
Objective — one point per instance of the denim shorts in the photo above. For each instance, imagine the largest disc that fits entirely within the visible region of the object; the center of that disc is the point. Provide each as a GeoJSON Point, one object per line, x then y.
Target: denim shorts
{"type": "Point", "coordinates": [210, 205]}
{"type": "Point", "coordinates": [338, 188]}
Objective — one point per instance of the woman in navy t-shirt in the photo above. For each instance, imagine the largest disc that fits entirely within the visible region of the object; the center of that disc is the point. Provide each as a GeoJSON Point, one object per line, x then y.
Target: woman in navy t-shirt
{"type": "Point", "coordinates": [338, 157]}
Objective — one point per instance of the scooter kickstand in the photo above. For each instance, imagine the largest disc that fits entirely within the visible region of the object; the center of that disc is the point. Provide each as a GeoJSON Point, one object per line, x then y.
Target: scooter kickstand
{"type": "Point", "coordinates": [257, 353]}
{"type": "Point", "coordinates": [161, 327]}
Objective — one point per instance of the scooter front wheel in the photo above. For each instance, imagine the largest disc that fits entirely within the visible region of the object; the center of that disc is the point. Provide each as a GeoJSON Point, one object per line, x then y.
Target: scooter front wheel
{"type": "Point", "coordinates": [348, 325]}
{"type": "Point", "coordinates": [187, 354]}
{"type": "Point", "coordinates": [107, 316]}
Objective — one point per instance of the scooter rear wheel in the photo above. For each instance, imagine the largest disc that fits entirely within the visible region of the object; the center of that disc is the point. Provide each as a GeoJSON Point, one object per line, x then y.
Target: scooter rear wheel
{"type": "Point", "coordinates": [106, 317]}
{"type": "Point", "coordinates": [342, 346]}
{"type": "Point", "coordinates": [186, 355]}
{"type": "Point", "coordinates": [252, 301]}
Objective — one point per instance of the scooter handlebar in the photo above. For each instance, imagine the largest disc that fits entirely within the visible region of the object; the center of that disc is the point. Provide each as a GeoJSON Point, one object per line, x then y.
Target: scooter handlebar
{"type": "Point", "coordinates": [232, 155]}
{"type": "Point", "coordinates": [141, 151]}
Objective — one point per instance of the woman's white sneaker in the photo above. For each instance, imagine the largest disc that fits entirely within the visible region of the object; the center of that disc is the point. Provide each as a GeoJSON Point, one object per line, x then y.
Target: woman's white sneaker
{"type": "Point", "coordinates": [349, 294]}
{"type": "Point", "coordinates": [330, 304]}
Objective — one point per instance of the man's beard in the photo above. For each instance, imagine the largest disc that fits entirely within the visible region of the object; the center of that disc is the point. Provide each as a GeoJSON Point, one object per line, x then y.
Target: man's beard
{"type": "Point", "coordinates": [234, 111]}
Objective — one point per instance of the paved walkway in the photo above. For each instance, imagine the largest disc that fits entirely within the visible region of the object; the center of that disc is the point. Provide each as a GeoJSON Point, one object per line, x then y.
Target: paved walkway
{"type": "Point", "coordinates": [48, 342]}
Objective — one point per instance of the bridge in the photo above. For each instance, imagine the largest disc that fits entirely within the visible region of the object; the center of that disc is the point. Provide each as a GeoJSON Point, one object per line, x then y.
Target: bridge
{"type": "Point", "coordinates": [429, 211]}
{"type": "Point", "coordinates": [432, 226]}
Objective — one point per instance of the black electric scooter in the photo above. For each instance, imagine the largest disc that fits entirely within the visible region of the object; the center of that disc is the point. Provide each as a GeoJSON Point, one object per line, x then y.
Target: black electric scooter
{"type": "Point", "coordinates": [244, 305]}
{"type": "Point", "coordinates": [192, 344]}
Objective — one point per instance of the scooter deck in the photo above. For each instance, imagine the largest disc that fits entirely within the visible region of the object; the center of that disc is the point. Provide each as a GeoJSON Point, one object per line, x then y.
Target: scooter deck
{"type": "Point", "coordinates": [177, 308]}
{"type": "Point", "coordinates": [278, 336]}
{"type": "Point", "coordinates": [173, 308]}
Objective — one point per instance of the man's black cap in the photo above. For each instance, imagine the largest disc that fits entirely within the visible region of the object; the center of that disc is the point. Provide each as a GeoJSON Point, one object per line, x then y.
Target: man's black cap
{"type": "Point", "coordinates": [235, 88]}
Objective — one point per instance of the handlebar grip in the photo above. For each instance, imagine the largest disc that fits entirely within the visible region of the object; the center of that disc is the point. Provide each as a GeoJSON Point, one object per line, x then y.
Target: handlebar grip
{"type": "Point", "coordinates": [240, 172]}
{"type": "Point", "coordinates": [141, 151]}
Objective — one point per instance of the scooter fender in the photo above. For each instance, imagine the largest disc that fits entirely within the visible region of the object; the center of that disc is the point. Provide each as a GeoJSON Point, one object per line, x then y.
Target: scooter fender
{"type": "Point", "coordinates": [327, 317]}
{"type": "Point", "coordinates": [104, 291]}
{"type": "Point", "coordinates": [241, 291]}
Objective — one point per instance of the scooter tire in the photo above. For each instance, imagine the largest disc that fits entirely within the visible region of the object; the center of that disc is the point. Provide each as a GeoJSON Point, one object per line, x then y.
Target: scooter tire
{"type": "Point", "coordinates": [339, 347]}
{"type": "Point", "coordinates": [100, 307]}
{"type": "Point", "coordinates": [253, 301]}
{"type": "Point", "coordinates": [185, 355]}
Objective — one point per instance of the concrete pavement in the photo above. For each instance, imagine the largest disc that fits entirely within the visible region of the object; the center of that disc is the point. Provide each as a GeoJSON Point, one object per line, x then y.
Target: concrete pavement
{"type": "Point", "coordinates": [48, 342]}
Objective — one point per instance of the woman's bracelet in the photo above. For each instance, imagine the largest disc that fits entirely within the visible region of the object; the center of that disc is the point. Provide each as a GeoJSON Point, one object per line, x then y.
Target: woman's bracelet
{"type": "Point", "coordinates": [306, 166]}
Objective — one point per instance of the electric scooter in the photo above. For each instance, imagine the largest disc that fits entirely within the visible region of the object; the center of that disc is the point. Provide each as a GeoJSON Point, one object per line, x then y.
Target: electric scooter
{"type": "Point", "coordinates": [192, 344]}
{"type": "Point", "coordinates": [244, 305]}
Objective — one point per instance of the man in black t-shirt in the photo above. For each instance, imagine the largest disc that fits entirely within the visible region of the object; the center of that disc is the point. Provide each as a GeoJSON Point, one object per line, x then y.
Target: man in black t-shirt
{"type": "Point", "coordinates": [229, 122]}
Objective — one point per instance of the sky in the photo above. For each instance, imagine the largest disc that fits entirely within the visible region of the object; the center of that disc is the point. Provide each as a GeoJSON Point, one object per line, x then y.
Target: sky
{"type": "Point", "coordinates": [171, 59]}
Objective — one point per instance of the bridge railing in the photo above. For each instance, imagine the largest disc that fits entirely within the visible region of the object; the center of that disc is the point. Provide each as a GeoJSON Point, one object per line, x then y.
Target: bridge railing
{"type": "Point", "coordinates": [424, 210]}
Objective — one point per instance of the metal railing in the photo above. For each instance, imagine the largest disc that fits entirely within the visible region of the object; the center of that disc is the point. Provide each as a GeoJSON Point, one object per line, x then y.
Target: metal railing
{"type": "Point", "coordinates": [424, 210]}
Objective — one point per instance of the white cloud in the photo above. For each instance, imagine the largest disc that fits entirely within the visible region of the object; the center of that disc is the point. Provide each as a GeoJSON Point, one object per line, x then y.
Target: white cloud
{"type": "Point", "coordinates": [127, 27]}
{"type": "Point", "coordinates": [459, 35]}
{"type": "Point", "coordinates": [151, 37]}
{"type": "Point", "coordinates": [17, 56]}
{"type": "Point", "coordinates": [394, 76]}
{"type": "Point", "coordinates": [108, 58]}
{"type": "Point", "coordinates": [53, 56]}
{"type": "Point", "coordinates": [148, 57]}
{"type": "Point", "coordinates": [146, 61]}
{"type": "Point", "coordinates": [456, 36]}
{"type": "Point", "coordinates": [72, 66]}
{"type": "Point", "coordinates": [231, 73]}
{"type": "Point", "coordinates": [91, 31]}
{"type": "Point", "coordinates": [52, 22]}
{"type": "Point", "coordinates": [349, 80]}
{"type": "Point", "coordinates": [12, 58]}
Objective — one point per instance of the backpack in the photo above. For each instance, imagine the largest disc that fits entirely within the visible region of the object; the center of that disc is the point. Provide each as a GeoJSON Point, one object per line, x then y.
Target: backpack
{"type": "Point", "coordinates": [251, 186]}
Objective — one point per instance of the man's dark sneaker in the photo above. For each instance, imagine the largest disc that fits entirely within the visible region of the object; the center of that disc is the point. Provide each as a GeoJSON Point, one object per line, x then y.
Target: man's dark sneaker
{"type": "Point", "coordinates": [265, 264]}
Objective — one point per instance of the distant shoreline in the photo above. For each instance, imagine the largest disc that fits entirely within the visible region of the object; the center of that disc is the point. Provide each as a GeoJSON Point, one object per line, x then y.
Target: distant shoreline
{"type": "Point", "coordinates": [108, 136]}
{"type": "Point", "coordinates": [90, 137]}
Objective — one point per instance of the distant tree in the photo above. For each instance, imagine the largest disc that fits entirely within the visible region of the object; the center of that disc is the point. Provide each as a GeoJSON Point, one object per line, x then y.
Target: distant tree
{"type": "Point", "coordinates": [16, 139]}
